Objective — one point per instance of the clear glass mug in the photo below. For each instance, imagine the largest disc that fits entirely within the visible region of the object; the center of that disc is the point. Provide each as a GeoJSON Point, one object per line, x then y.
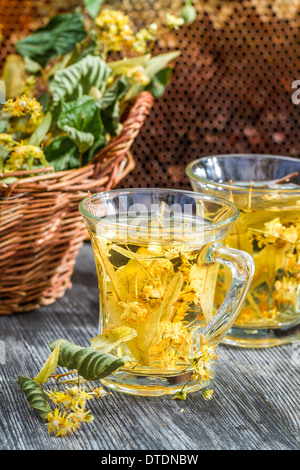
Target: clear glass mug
{"type": "Point", "coordinates": [266, 189]}
{"type": "Point", "coordinates": [157, 254]}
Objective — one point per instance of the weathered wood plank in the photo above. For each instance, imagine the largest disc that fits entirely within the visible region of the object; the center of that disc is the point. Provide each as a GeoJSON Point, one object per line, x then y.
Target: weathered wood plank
{"type": "Point", "coordinates": [255, 405]}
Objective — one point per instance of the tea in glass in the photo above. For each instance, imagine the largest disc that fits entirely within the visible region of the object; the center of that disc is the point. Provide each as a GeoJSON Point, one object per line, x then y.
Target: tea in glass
{"type": "Point", "coordinates": [266, 190]}
{"type": "Point", "coordinates": [157, 255]}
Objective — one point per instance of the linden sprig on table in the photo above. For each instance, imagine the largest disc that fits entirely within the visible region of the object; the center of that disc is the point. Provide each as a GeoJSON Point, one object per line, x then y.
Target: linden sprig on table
{"type": "Point", "coordinates": [63, 404]}
{"type": "Point", "coordinates": [69, 85]}
{"type": "Point", "coordinates": [69, 397]}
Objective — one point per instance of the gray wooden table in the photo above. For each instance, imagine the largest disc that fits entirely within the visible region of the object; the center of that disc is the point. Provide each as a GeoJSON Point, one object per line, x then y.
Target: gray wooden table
{"type": "Point", "coordinates": [256, 392]}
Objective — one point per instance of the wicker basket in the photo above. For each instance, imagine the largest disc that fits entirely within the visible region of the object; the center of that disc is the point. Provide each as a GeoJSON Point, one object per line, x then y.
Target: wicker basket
{"type": "Point", "coordinates": [41, 229]}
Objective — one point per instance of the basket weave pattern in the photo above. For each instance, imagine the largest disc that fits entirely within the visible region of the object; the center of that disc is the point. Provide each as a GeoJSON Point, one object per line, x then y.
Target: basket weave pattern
{"type": "Point", "coordinates": [41, 229]}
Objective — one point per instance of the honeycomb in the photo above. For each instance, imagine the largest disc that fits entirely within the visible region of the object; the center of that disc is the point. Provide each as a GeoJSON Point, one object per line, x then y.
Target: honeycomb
{"type": "Point", "coordinates": [231, 87]}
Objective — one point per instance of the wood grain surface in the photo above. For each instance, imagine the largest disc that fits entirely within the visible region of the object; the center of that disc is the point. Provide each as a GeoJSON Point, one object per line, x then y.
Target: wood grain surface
{"type": "Point", "coordinates": [256, 392]}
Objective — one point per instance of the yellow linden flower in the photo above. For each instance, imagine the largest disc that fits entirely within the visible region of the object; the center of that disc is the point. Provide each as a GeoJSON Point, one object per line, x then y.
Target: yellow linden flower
{"type": "Point", "coordinates": [290, 233]}
{"type": "Point", "coordinates": [150, 292]}
{"type": "Point", "coordinates": [201, 364]}
{"type": "Point", "coordinates": [25, 127]}
{"type": "Point", "coordinates": [176, 332]}
{"type": "Point", "coordinates": [16, 159]}
{"type": "Point", "coordinates": [6, 142]}
{"type": "Point", "coordinates": [99, 392]}
{"type": "Point", "coordinates": [276, 229]}
{"type": "Point", "coordinates": [59, 423]}
{"type": "Point", "coordinates": [23, 106]}
{"type": "Point", "coordinates": [5, 137]}
{"type": "Point", "coordinates": [273, 228]}
{"type": "Point", "coordinates": [78, 417]}
{"type": "Point", "coordinates": [285, 290]}
{"type": "Point", "coordinates": [72, 398]}
{"type": "Point", "coordinates": [58, 398]}
{"type": "Point", "coordinates": [114, 29]}
{"type": "Point", "coordinates": [133, 311]}
{"type": "Point", "coordinates": [174, 22]}
{"type": "Point", "coordinates": [207, 394]}
{"type": "Point", "coordinates": [138, 75]}
{"type": "Point", "coordinates": [21, 154]}
{"type": "Point", "coordinates": [142, 37]}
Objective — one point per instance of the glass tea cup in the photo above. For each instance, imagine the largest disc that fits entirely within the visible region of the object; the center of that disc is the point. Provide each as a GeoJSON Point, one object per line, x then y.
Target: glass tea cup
{"type": "Point", "coordinates": [266, 189]}
{"type": "Point", "coordinates": [157, 254]}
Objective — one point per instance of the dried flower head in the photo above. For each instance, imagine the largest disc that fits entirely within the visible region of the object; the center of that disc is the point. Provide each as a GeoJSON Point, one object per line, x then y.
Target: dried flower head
{"type": "Point", "coordinates": [23, 154]}
{"type": "Point", "coordinates": [174, 22]}
{"type": "Point", "coordinates": [133, 311]}
{"type": "Point", "coordinates": [23, 106]}
{"type": "Point", "coordinates": [208, 394]}
{"type": "Point", "coordinates": [114, 30]}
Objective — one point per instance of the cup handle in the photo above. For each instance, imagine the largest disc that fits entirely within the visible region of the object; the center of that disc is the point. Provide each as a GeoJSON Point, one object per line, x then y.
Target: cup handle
{"type": "Point", "coordinates": [242, 268]}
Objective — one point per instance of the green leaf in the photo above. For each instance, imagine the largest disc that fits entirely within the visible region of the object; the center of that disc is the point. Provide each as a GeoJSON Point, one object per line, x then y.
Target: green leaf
{"type": "Point", "coordinates": [58, 37]}
{"type": "Point", "coordinates": [159, 82]}
{"type": "Point", "coordinates": [45, 101]}
{"type": "Point", "coordinates": [115, 93]}
{"type": "Point", "coordinates": [98, 145]}
{"type": "Point", "coordinates": [83, 140]}
{"type": "Point", "coordinates": [109, 105]}
{"type": "Point", "coordinates": [31, 66]}
{"type": "Point", "coordinates": [63, 154]}
{"type": "Point", "coordinates": [90, 363]}
{"type": "Point", "coordinates": [49, 367]}
{"type": "Point", "coordinates": [41, 131]}
{"type": "Point", "coordinates": [81, 121]}
{"type": "Point", "coordinates": [77, 79]}
{"type": "Point", "coordinates": [35, 395]}
{"type": "Point", "coordinates": [108, 341]}
{"type": "Point", "coordinates": [93, 7]}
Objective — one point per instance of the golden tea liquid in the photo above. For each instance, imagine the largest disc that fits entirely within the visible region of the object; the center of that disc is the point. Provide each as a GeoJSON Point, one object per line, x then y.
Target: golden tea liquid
{"type": "Point", "coordinates": [163, 290]}
{"type": "Point", "coordinates": [271, 235]}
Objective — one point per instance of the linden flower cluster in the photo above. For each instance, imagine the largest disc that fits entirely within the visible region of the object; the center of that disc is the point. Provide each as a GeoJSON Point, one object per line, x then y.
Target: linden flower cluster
{"type": "Point", "coordinates": [70, 412]}
{"type": "Point", "coordinates": [174, 22]}
{"type": "Point", "coordinates": [133, 311]}
{"type": "Point", "coordinates": [138, 75]}
{"type": "Point", "coordinates": [275, 228]}
{"type": "Point", "coordinates": [202, 364]}
{"type": "Point", "coordinates": [201, 368]}
{"type": "Point", "coordinates": [23, 106]}
{"type": "Point", "coordinates": [19, 154]}
{"type": "Point", "coordinates": [14, 155]}
{"type": "Point", "coordinates": [285, 290]}
{"type": "Point", "coordinates": [115, 32]}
